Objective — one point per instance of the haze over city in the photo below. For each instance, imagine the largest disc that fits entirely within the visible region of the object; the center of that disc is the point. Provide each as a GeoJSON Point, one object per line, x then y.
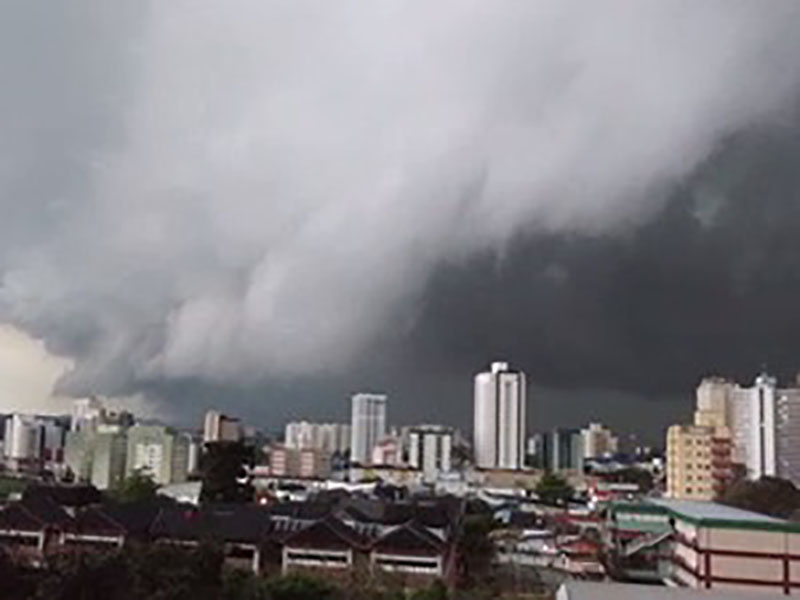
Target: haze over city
{"type": "Point", "coordinates": [266, 214]}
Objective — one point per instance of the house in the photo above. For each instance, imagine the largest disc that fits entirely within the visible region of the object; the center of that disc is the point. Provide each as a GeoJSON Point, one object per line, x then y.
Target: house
{"type": "Point", "coordinates": [31, 528]}
{"type": "Point", "coordinates": [243, 530]}
{"type": "Point", "coordinates": [327, 544]}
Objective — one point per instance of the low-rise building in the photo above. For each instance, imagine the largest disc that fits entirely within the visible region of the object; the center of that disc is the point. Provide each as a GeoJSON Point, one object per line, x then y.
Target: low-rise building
{"type": "Point", "coordinates": [705, 545]}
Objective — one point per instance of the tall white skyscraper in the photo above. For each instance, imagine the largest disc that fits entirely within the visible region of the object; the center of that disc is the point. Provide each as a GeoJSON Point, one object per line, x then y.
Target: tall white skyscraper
{"type": "Point", "coordinates": [500, 418]}
{"type": "Point", "coordinates": [765, 429]}
{"type": "Point", "coordinates": [367, 425]}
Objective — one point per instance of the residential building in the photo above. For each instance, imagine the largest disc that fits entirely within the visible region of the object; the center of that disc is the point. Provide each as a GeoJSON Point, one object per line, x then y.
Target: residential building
{"type": "Point", "coordinates": [109, 455]}
{"type": "Point", "coordinates": [78, 453]}
{"type": "Point", "coordinates": [429, 449]}
{"type": "Point", "coordinates": [314, 463]}
{"type": "Point", "coordinates": [159, 452]}
{"type": "Point", "coordinates": [192, 454]}
{"type": "Point", "coordinates": [330, 437]}
{"type": "Point", "coordinates": [598, 441]}
{"type": "Point", "coordinates": [221, 428]}
{"type": "Point", "coordinates": [283, 461]}
{"type": "Point", "coordinates": [713, 402]}
{"type": "Point", "coordinates": [23, 440]}
{"type": "Point", "coordinates": [367, 425]}
{"type": "Point", "coordinates": [765, 428]}
{"type": "Point", "coordinates": [85, 413]}
{"type": "Point", "coordinates": [698, 461]}
{"type": "Point", "coordinates": [499, 426]}
{"type": "Point", "coordinates": [562, 450]}
{"type": "Point", "coordinates": [388, 452]}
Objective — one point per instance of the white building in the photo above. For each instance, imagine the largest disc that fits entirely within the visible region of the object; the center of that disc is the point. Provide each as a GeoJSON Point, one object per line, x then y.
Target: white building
{"type": "Point", "coordinates": [23, 438]}
{"type": "Point", "coordinates": [328, 437]}
{"type": "Point", "coordinates": [765, 428]}
{"type": "Point", "coordinates": [86, 412]}
{"type": "Point", "coordinates": [500, 418]}
{"type": "Point", "coordinates": [429, 449]}
{"type": "Point", "coordinates": [713, 402]}
{"type": "Point", "coordinates": [367, 425]}
{"type": "Point", "coordinates": [598, 441]}
{"type": "Point", "coordinates": [158, 452]}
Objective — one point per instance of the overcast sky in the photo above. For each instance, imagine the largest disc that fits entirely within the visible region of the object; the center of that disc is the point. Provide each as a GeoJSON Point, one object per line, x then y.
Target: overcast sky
{"type": "Point", "coordinates": [267, 205]}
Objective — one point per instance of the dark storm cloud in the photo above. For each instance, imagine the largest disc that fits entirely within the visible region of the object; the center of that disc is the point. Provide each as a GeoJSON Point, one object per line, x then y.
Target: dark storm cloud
{"type": "Point", "coordinates": [710, 285]}
{"type": "Point", "coordinates": [343, 194]}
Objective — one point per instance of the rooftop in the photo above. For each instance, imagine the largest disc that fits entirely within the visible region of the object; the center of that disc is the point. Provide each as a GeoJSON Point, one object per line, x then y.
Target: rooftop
{"type": "Point", "coordinates": [586, 590]}
{"type": "Point", "coordinates": [699, 510]}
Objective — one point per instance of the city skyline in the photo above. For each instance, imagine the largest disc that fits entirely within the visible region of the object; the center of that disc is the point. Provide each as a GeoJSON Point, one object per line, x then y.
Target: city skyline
{"type": "Point", "coordinates": [619, 223]}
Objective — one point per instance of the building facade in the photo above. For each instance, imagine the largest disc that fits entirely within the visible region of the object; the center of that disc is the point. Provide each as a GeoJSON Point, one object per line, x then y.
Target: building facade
{"type": "Point", "coordinates": [218, 427]}
{"type": "Point", "coordinates": [367, 425]}
{"type": "Point", "coordinates": [329, 437]}
{"type": "Point", "coordinates": [598, 441]}
{"type": "Point", "coordinates": [562, 450]}
{"type": "Point", "coordinates": [499, 426]}
{"type": "Point", "coordinates": [109, 456]}
{"type": "Point", "coordinates": [699, 463]}
{"type": "Point", "coordinates": [158, 452]}
{"type": "Point", "coordinates": [765, 428]}
{"type": "Point", "coordinates": [429, 449]}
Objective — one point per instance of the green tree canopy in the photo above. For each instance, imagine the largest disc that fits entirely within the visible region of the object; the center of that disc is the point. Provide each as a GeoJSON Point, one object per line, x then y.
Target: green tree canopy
{"type": "Point", "coordinates": [769, 495]}
{"type": "Point", "coordinates": [137, 487]}
{"type": "Point", "coordinates": [223, 467]}
{"type": "Point", "coordinates": [554, 489]}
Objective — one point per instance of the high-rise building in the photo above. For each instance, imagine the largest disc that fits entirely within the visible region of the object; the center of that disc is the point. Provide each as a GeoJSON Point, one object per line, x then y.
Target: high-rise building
{"type": "Point", "coordinates": [85, 413]}
{"type": "Point", "coordinates": [598, 441]}
{"type": "Point", "coordinates": [713, 402]}
{"type": "Point", "coordinates": [500, 405]}
{"type": "Point", "coordinates": [765, 427]}
{"type": "Point", "coordinates": [429, 449]}
{"type": "Point", "coordinates": [367, 425]}
{"type": "Point", "coordinates": [562, 450]}
{"type": "Point", "coordinates": [193, 454]}
{"type": "Point", "coordinates": [218, 427]}
{"type": "Point", "coordinates": [78, 454]}
{"type": "Point", "coordinates": [109, 454]}
{"type": "Point", "coordinates": [158, 452]}
{"type": "Point", "coordinates": [698, 461]}
{"type": "Point", "coordinates": [23, 442]}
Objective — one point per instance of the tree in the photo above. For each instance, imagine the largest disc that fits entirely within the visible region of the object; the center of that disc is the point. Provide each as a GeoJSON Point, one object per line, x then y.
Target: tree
{"type": "Point", "coordinates": [475, 550]}
{"type": "Point", "coordinates": [138, 487]}
{"type": "Point", "coordinates": [641, 477]}
{"type": "Point", "coordinates": [769, 495]}
{"type": "Point", "coordinates": [554, 489]}
{"type": "Point", "coordinates": [223, 469]}
{"type": "Point", "coordinates": [299, 587]}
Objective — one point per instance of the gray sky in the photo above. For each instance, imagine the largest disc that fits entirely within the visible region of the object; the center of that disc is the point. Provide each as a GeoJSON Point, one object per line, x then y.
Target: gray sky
{"type": "Point", "coordinates": [267, 205]}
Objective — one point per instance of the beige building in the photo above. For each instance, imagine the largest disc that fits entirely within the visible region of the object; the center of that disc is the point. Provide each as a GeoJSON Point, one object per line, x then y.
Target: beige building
{"type": "Point", "coordinates": [598, 441]}
{"type": "Point", "coordinates": [698, 461]}
{"type": "Point", "coordinates": [308, 463]}
{"type": "Point", "coordinates": [218, 427]}
{"type": "Point", "coordinates": [713, 402]}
